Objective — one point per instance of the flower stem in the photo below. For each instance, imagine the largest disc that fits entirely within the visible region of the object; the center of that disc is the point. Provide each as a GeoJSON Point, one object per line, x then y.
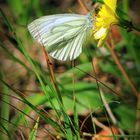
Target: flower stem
{"type": "Point", "coordinates": [111, 46]}
{"type": "Point", "coordinates": [125, 6]}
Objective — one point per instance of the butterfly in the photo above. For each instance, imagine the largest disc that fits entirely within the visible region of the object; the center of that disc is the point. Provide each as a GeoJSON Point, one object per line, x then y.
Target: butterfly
{"type": "Point", "coordinates": [62, 35]}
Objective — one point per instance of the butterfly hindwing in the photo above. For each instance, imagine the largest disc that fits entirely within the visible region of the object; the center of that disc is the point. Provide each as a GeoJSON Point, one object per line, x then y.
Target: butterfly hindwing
{"type": "Point", "coordinates": [71, 50]}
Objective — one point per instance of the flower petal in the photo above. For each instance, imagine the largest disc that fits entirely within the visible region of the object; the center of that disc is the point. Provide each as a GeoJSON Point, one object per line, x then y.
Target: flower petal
{"type": "Point", "coordinates": [100, 33]}
{"type": "Point", "coordinates": [111, 3]}
{"type": "Point", "coordinates": [103, 39]}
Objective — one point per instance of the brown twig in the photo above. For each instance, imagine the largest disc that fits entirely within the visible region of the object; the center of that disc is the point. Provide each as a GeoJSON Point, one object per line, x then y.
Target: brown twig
{"type": "Point", "coordinates": [110, 113]}
{"type": "Point", "coordinates": [111, 46]}
{"type": "Point", "coordinates": [99, 124]}
{"type": "Point", "coordinates": [81, 3]}
{"type": "Point", "coordinates": [52, 76]}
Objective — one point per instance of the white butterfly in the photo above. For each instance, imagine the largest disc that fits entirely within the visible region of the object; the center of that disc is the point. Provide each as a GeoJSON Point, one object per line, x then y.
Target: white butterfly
{"type": "Point", "coordinates": [63, 35]}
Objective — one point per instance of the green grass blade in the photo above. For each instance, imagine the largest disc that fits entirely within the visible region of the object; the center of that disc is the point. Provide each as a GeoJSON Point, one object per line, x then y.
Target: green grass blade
{"type": "Point", "coordinates": [12, 57]}
{"type": "Point", "coordinates": [54, 124]}
{"type": "Point", "coordinates": [5, 110]}
{"type": "Point", "coordinates": [33, 133]}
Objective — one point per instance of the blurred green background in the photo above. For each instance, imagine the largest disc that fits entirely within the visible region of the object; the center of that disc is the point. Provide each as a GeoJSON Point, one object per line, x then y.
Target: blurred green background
{"type": "Point", "coordinates": [21, 57]}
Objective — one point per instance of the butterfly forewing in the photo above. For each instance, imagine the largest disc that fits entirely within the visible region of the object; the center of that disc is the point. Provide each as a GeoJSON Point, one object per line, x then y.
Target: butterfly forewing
{"type": "Point", "coordinates": [62, 35]}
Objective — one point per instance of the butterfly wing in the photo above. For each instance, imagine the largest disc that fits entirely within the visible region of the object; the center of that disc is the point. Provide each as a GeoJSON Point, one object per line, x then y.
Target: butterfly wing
{"type": "Point", "coordinates": [72, 48]}
{"type": "Point", "coordinates": [62, 35]}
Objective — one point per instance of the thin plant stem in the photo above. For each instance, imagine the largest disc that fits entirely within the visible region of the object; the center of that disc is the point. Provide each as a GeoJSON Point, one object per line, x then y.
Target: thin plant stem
{"type": "Point", "coordinates": [95, 78]}
{"type": "Point", "coordinates": [110, 113]}
{"type": "Point", "coordinates": [84, 8]}
{"type": "Point", "coordinates": [73, 80]}
{"type": "Point", "coordinates": [99, 124]}
{"type": "Point", "coordinates": [52, 75]}
{"type": "Point", "coordinates": [111, 46]}
{"type": "Point", "coordinates": [99, 89]}
{"type": "Point", "coordinates": [137, 125]}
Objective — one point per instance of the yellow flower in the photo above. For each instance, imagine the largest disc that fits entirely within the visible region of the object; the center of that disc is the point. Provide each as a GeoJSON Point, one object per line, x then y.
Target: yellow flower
{"type": "Point", "coordinates": [105, 18]}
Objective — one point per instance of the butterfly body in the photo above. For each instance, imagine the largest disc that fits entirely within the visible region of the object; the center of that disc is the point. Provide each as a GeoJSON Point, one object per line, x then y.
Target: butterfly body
{"type": "Point", "coordinates": [62, 35]}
